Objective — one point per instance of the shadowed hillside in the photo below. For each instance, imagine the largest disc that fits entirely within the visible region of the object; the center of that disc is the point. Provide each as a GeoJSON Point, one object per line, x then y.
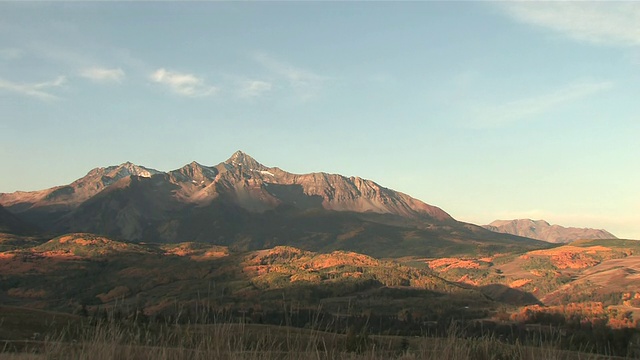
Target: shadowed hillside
{"type": "Point", "coordinates": [78, 270]}
{"type": "Point", "coordinates": [12, 224]}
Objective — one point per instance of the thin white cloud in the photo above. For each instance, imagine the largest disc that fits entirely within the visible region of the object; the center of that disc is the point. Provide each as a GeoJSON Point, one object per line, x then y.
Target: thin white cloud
{"type": "Point", "coordinates": [607, 22]}
{"type": "Point", "coordinates": [183, 84]}
{"type": "Point", "coordinates": [103, 75]}
{"type": "Point", "coordinates": [38, 90]}
{"type": "Point", "coordinates": [254, 88]}
{"type": "Point", "coordinates": [513, 111]}
{"type": "Point", "coordinates": [305, 83]}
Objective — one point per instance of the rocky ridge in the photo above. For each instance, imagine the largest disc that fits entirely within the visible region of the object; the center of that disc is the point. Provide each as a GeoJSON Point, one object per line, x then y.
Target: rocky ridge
{"type": "Point", "coordinates": [542, 230]}
{"type": "Point", "coordinates": [245, 204]}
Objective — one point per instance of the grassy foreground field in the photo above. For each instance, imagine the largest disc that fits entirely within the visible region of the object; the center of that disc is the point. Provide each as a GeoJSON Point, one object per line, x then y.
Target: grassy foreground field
{"type": "Point", "coordinates": [152, 305]}
{"type": "Point", "coordinates": [109, 340]}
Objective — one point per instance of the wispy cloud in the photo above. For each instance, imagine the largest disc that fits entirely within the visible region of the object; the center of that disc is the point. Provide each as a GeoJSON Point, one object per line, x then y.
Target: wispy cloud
{"type": "Point", "coordinates": [253, 88]}
{"type": "Point", "coordinates": [183, 84]}
{"type": "Point", "coordinates": [492, 116]}
{"type": "Point", "coordinates": [610, 23]}
{"type": "Point", "coordinates": [103, 75]}
{"type": "Point", "coordinates": [38, 90]}
{"type": "Point", "coordinates": [304, 82]}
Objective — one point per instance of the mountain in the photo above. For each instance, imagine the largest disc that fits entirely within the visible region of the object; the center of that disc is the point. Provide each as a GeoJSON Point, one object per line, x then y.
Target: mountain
{"type": "Point", "coordinates": [246, 205]}
{"type": "Point", "coordinates": [542, 230]}
{"type": "Point", "coordinates": [11, 224]}
{"type": "Point", "coordinates": [45, 206]}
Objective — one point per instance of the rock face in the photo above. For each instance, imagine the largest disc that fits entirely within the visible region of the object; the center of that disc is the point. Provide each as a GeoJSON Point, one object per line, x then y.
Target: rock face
{"type": "Point", "coordinates": [240, 180]}
{"type": "Point", "coordinates": [243, 203]}
{"type": "Point", "coordinates": [542, 230]}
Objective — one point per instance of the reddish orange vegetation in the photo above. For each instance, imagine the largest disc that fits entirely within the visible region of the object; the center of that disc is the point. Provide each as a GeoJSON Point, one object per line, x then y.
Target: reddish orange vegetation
{"type": "Point", "coordinates": [519, 283]}
{"type": "Point", "coordinates": [538, 273]}
{"type": "Point", "coordinates": [574, 257]}
{"type": "Point", "coordinates": [27, 293]}
{"type": "Point", "coordinates": [453, 263]}
{"type": "Point", "coordinates": [584, 313]}
{"type": "Point", "coordinates": [67, 254]}
{"type": "Point", "coordinates": [302, 265]}
{"type": "Point", "coordinates": [310, 277]}
{"type": "Point", "coordinates": [65, 239]}
{"type": "Point", "coordinates": [12, 265]}
{"type": "Point", "coordinates": [85, 242]}
{"type": "Point", "coordinates": [179, 252]}
{"type": "Point", "coordinates": [80, 240]}
{"type": "Point", "coordinates": [115, 293]}
{"type": "Point", "coordinates": [188, 249]}
{"type": "Point", "coordinates": [160, 306]}
{"type": "Point", "coordinates": [467, 280]}
{"type": "Point", "coordinates": [337, 258]}
{"type": "Point", "coordinates": [67, 246]}
{"type": "Point", "coordinates": [284, 257]}
{"type": "Point", "coordinates": [15, 263]}
{"type": "Point", "coordinates": [278, 252]}
{"type": "Point", "coordinates": [352, 274]}
{"type": "Point", "coordinates": [213, 254]}
{"type": "Point", "coordinates": [631, 299]}
{"type": "Point", "coordinates": [422, 282]}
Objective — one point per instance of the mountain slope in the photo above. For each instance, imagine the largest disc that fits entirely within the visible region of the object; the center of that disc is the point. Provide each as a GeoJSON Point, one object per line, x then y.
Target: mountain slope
{"type": "Point", "coordinates": [583, 271]}
{"type": "Point", "coordinates": [44, 207]}
{"type": "Point", "coordinates": [246, 205]}
{"type": "Point", "coordinates": [11, 224]}
{"type": "Point", "coordinates": [542, 230]}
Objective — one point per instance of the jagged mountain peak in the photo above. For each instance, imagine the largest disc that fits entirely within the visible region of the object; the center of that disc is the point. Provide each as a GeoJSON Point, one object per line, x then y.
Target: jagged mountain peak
{"type": "Point", "coordinates": [240, 158]}
{"type": "Point", "coordinates": [96, 180]}
{"type": "Point", "coordinates": [242, 199]}
{"type": "Point", "coordinates": [119, 171]}
{"type": "Point", "coordinates": [193, 165]}
{"type": "Point", "coordinates": [195, 171]}
{"type": "Point", "coordinates": [129, 168]}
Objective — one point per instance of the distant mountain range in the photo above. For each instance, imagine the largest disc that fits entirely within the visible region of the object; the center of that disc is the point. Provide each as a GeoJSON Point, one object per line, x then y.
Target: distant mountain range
{"type": "Point", "coordinates": [542, 230]}
{"type": "Point", "coordinates": [245, 237]}
{"type": "Point", "coordinates": [245, 205]}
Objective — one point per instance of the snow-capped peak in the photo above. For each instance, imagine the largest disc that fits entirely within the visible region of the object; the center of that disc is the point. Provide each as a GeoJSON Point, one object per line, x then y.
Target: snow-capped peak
{"type": "Point", "coordinates": [128, 169]}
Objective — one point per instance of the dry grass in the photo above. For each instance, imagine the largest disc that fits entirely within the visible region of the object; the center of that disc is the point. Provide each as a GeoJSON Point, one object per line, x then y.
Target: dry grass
{"type": "Point", "coordinates": [245, 342]}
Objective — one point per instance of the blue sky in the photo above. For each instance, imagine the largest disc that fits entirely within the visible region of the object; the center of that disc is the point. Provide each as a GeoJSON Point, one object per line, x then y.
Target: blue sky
{"type": "Point", "coordinates": [489, 110]}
